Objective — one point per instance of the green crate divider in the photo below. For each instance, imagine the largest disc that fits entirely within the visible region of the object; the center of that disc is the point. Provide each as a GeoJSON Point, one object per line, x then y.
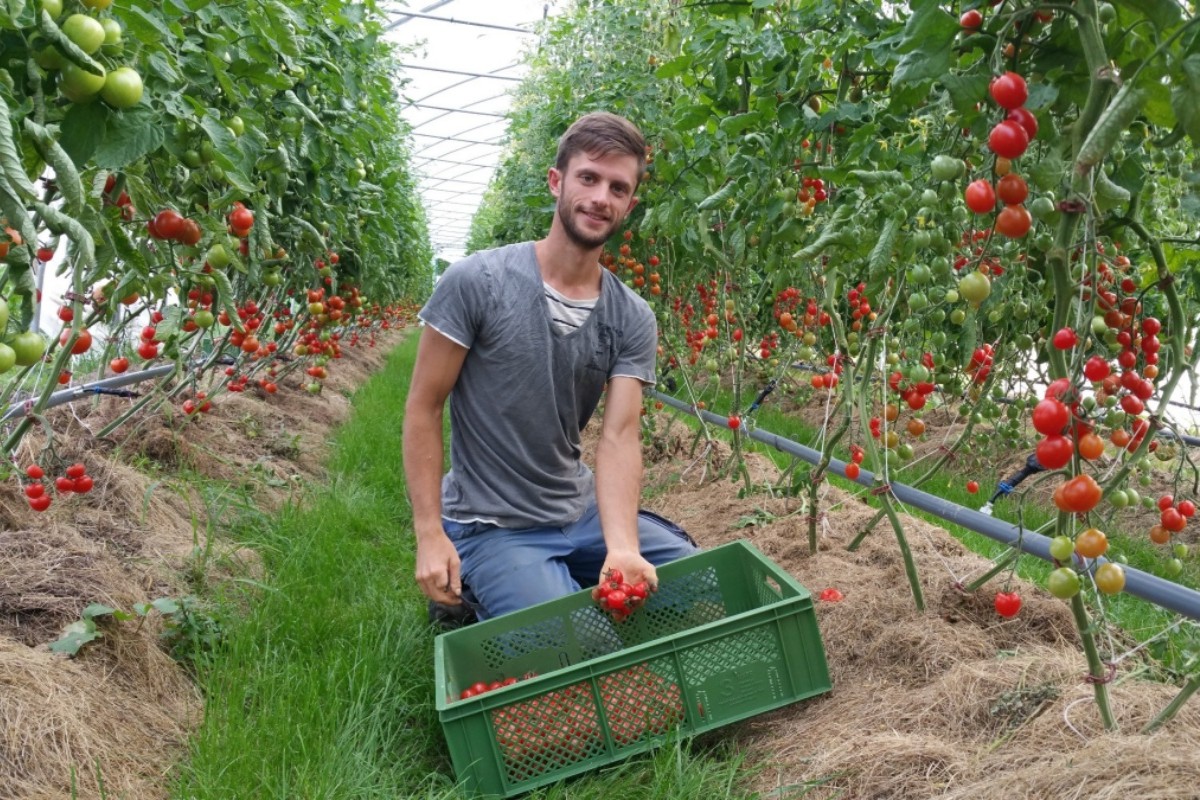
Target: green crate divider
{"type": "Point", "coordinates": [728, 635]}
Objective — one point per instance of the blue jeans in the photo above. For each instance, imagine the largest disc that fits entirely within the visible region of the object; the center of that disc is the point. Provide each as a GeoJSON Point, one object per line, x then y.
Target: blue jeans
{"type": "Point", "coordinates": [505, 570]}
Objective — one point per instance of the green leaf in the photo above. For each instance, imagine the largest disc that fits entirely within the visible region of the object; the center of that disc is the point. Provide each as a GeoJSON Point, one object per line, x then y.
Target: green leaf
{"type": "Point", "coordinates": [1185, 97]}
{"type": "Point", "coordinates": [926, 44]}
{"type": "Point", "coordinates": [165, 605]}
{"type": "Point", "coordinates": [75, 636]}
{"type": "Point", "coordinates": [737, 123]}
{"type": "Point", "coordinates": [674, 68]}
{"type": "Point", "coordinates": [144, 24]}
{"type": "Point", "coordinates": [965, 90]}
{"type": "Point", "coordinates": [131, 135]}
{"type": "Point", "coordinates": [1163, 13]}
{"type": "Point", "coordinates": [97, 610]}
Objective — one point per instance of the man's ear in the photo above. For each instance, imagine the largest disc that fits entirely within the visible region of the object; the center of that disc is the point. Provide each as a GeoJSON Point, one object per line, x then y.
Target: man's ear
{"type": "Point", "coordinates": [554, 180]}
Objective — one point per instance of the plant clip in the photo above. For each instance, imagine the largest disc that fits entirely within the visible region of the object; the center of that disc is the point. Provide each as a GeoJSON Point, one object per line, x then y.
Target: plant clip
{"type": "Point", "coordinates": [72, 297]}
{"type": "Point", "coordinates": [817, 518]}
{"type": "Point", "coordinates": [883, 488]}
{"type": "Point", "coordinates": [877, 331]}
{"type": "Point", "coordinates": [950, 454]}
{"type": "Point", "coordinates": [1110, 672]}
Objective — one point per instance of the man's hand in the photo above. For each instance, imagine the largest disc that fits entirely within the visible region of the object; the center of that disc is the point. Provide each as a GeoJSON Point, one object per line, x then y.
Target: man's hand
{"type": "Point", "coordinates": [438, 569]}
{"type": "Point", "coordinates": [633, 567]}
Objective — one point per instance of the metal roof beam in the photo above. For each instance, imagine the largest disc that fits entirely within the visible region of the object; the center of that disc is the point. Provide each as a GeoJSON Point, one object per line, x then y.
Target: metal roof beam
{"type": "Point", "coordinates": [460, 72]}
{"type": "Point", "coordinates": [451, 20]}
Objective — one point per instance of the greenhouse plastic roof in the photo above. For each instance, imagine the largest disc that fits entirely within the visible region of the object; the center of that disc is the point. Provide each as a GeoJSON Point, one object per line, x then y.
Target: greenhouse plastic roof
{"type": "Point", "coordinates": [460, 78]}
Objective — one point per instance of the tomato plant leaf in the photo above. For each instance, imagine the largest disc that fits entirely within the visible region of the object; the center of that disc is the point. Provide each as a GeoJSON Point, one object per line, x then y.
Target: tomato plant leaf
{"type": "Point", "coordinates": [225, 294]}
{"type": "Point", "coordinates": [926, 44]}
{"type": "Point", "coordinates": [146, 25]}
{"type": "Point", "coordinates": [1185, 96]}
{"type": "Point", "coordinates": [83, 129]}
{"type": "Point", "coordinates": [965, 90]}
{"type": "Point", "coordinates": [131, 135]}
{"type": "Point", "coordinates": [1163, 13]}
{"type": "Point", "coordinates": [75, 636]}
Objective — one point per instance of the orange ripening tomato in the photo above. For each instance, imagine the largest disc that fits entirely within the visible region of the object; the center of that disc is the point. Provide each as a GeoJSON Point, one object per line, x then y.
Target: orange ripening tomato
{"type": "Point", "coordinates": [1091, 446]}
{"type": "Point", "coordinates": [1078, 495]}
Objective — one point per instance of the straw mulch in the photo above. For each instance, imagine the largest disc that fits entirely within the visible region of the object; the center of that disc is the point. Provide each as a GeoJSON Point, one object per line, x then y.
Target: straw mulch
{"type": "Point", "coordinates": [118, 714]}
{"type": "Point", "coordinates": [954, 702]}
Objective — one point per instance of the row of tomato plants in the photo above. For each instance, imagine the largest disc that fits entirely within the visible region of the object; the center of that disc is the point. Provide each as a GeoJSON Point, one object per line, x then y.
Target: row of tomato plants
{"type": "Point", "coordinates": [939, 205]}
{"type": "Point", "coordinates": [223, 189]}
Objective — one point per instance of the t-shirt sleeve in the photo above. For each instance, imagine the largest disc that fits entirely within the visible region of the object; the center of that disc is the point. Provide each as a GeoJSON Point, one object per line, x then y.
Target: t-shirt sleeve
{"type": "Point", "coordinates": [639, 348]}
{"type": "Point", "coordinates": [453, 309]}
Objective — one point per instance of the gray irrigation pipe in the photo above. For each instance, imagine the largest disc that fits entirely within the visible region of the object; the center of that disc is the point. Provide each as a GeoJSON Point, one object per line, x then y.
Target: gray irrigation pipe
{"type": "Point", "coordinates": [1163, 593]}
{"type": "Point", "coordinates": [95, 387]}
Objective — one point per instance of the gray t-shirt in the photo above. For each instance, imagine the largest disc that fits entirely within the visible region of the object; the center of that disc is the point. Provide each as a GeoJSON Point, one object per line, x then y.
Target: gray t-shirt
{"type": "Point", "coordinates": [526, 390]}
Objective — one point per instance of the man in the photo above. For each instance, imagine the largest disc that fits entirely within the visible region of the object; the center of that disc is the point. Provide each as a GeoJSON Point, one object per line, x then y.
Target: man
{"type": "Point", "coordinates": [524, 339]}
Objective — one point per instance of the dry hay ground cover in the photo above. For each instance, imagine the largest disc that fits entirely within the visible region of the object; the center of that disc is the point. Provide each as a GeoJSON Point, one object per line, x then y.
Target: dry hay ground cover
{"type": "Point", "coordinates": [122, 702]}
{"type": "Point", "coordinates": [951, 703]}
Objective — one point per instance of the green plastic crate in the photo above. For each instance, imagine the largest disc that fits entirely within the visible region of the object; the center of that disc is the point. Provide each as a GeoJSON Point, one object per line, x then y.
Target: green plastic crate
{"type": "Point", "coordinates": [728, 635]}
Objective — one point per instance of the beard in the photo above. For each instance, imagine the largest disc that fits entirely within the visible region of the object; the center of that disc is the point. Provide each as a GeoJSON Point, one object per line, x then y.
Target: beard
{"type": "Point", "coordinates": [577, 235]}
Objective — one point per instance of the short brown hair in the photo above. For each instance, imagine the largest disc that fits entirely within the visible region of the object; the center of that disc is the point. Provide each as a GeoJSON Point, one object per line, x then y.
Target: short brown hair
{"type": "Point", "coordinates": [601, 133]}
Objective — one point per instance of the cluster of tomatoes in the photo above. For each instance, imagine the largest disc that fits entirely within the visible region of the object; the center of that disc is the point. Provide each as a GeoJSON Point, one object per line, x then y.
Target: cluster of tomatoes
{"type": "Point", "coordinates": [1173, 518]}
{"type": "Point", "coordinates": [482, 687]}
{"type": "Point", "coordinates": [853, 470]}
{"type": "Point", "coordinates": [241, 220]}
{"type": "Point", "coordinates": [812, 191]}
{"type": "Point", "coordinates": [617, 598]}
{"type": "Point", "coordinates": [148, 342]}
{"type": "Point", "coordinates": [1091, 543]}
{"type": "Point", "coordinates": [980, 364]}
{"type": "Point", "coordinates": [1063, 434]}
{"type": "Point", "coordinates": [75, 479]}
{"type": "Point", "coordinates": [201, 404]}
{"type": "Point", "coordinates": [245, 335]}
{"type": "Point", "coordinates": [916, 389]}
{"type": "Point", "coordinates": [1008, 139]}
{"type": "Point", "coordinates": [169, 224]}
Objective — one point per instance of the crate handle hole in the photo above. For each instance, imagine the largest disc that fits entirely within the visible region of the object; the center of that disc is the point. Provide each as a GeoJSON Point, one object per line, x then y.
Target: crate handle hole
{"type": "Point", "coordinates": [773, 585]}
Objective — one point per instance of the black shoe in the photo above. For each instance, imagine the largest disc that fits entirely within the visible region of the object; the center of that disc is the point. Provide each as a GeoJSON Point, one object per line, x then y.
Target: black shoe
{"type": "Point", "coordinates": [451, 618]}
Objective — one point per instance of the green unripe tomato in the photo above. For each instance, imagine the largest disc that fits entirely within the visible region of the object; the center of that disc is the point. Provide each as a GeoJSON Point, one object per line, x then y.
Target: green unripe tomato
{"type": "Point", "coordinates": [8, 358]}
{"type": "Point", "coordinates": [78, 85]}
{"type": "Point", "coordinates": [29, 347]}
{"type": "Point", "coordinates": [1180, 550]}
{"type": "Point", "coordinates": [958, 316]}
{"type": "Point", "coordinates": [49, 58]}
{"type": "Point", "coordinates": [3, 315]}
{"type": "Point", "coordinates": [1061, 548]}
{"type": "Point", "coordinates": [1063, 583]}
{"type": "Point", "coordinates": [237, 125]}
{"type": "Point", "coordinates": [947, 168]}
{"type": "Point", "coordinates": [112, 31]}
{"type": "Point", "coordinates": [204, 318]}
{"type": "Point", "coordinates": [98, 5]}
{"type": "Point", "coordinates": [1174, 568]}
{"type": "Point", "coordinates": [85, 31]}
{"type": "Point", "coordinates": [122, 88]}
{"type": "Point", "coordinates": [217, 256]}
{"type": "Point", "coordinates": [191, 159]}
{"type": "Point", "coordinates": [53, 8]}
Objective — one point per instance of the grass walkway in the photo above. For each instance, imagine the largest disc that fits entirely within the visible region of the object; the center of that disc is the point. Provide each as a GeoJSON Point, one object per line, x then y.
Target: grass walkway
{"type": "Point", "coordinates": [323, 687]}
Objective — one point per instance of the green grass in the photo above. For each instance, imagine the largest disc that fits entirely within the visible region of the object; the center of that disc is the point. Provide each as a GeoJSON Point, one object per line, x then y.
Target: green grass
{"type": "Point", "coordinates": [1140, 619]}
{"type": "Point", "coordinates": [323, 686]}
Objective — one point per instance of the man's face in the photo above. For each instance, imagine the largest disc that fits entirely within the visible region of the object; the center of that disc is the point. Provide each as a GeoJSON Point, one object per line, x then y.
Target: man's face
{"type": "Point", "coordinates": [594, 196]}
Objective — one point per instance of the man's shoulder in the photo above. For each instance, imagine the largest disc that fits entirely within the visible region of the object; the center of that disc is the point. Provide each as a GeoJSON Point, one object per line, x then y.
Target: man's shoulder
{"type": "Point", "coordinates": [505, 256]}
{"type": "Point", "coordinates": [627, 299]}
